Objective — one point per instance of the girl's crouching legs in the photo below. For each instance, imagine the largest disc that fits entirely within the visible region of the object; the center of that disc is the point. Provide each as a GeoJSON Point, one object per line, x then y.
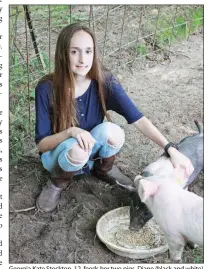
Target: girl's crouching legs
{"type": "Point", "coordinates": [104, 167]}
{"type": "Point", "coordinates": [61, 179]}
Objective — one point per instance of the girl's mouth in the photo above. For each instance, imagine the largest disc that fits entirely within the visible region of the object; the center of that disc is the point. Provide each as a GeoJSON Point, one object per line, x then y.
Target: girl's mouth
{"type": "Point", "coordinates": [81, 67]}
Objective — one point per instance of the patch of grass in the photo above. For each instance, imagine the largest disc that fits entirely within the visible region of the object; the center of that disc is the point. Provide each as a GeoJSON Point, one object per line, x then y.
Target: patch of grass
{"type": "Point", "coordinates": [183, 25]}
{"type": "Point", "coordinates": [60, 16]}
{"type": "Point", "coordinates": [198, 255]}
{"type": "Point", "coordinates": [142, 49]}
{"type": "Point", "coordinates": [19, 100]}
{"type": "Point", "coordinates": [193, 256]}
{"type": "Point", "coordinates": [19, 122]}
{"type": "Point", "coordinates": [20, 128]}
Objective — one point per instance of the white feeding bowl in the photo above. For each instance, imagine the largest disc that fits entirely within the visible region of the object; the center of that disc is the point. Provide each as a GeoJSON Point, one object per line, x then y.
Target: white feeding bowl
{"type": "Point", "coordinates": [112, 229]}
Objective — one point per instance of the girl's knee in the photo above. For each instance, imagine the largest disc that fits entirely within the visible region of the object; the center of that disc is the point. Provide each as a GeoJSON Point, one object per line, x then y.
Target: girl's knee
{"type": "Point", "coordinates": [77, 155]}
{"type": "Point", "coordinates": [116, 135]}
{"type": "Point", "coordinates": [109, 132]}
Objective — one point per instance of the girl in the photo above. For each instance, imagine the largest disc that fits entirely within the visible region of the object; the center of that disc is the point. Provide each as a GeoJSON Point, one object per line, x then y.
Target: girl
{"type": "Point", "coordinates": [71, 104]}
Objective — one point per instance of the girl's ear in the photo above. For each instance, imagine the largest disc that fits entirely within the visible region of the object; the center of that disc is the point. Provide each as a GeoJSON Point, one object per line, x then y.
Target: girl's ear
{"type": "Point", "coordinates": [147, 188]}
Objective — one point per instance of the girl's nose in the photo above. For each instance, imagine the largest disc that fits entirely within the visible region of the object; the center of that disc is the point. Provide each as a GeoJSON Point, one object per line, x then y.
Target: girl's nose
{"type": "Point", "coordinates": [81, 57]}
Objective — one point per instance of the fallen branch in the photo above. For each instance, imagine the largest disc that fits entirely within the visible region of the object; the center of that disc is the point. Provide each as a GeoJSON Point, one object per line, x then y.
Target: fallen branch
{"type": "Point", "coordinates": [22, 210]}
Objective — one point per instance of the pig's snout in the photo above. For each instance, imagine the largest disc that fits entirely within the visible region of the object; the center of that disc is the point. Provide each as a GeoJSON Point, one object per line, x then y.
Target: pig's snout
{"type": "Point", "coordinates": [135, 226]}
{"type": "Point", "coordinates": [139, 216]}
{"type": "Point", "coordinates": [138, 222]}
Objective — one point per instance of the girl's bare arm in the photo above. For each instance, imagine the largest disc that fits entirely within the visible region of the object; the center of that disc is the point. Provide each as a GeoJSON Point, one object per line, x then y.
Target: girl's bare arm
{"type": "Point", "coordinates": [84, 138]}
{"type": "Point", "coordinates": [149, 130]}
{"type": "Point", "coordinates": [51, 141]}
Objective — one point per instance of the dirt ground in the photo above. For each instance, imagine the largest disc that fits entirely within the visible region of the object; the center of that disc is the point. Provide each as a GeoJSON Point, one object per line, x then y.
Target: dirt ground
{"type": "Point", "coordinates": [170, 94]}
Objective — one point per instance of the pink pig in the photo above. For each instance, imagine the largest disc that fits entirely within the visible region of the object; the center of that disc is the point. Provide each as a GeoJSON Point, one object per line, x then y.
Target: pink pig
{"type": "Point", "coordinates": [178, 212]}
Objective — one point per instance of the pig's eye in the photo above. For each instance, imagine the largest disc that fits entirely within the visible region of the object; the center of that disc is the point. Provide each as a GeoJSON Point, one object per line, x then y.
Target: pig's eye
{"type": "Point", "coordinates": [146, 213]}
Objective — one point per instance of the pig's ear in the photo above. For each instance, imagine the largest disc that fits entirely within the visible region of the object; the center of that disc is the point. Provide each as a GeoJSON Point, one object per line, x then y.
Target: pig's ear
{"type": "Point", "coordinates": [147, 188]}
{"type": "Point", "coordinates": [136, 181]}
{"type": "Point", "coordinates": [129, 187]}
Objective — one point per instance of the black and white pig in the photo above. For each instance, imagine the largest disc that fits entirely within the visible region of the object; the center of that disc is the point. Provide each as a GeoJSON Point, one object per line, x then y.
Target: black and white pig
{"type": "Point", "coordinates": [178, 212]}
{"type": "Point", "coordinates": [192, 147]}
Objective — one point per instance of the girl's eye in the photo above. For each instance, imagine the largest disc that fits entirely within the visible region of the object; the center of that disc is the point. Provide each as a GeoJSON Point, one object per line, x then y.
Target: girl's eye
{"type": "Point", "coordinates": [88, 51]}
{"type": "Point", "coordinates": [73, 52]}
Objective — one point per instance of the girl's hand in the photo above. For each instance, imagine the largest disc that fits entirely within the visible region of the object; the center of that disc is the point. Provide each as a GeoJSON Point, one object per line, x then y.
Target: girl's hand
{"type": "Point", "coordinates": [84, 138]}
{"type": "Point", "coordinates": [180, 160]}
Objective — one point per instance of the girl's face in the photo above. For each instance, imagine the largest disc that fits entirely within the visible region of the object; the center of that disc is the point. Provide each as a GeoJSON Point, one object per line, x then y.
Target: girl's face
{"type": "Point", "coordinates": [81, 53]}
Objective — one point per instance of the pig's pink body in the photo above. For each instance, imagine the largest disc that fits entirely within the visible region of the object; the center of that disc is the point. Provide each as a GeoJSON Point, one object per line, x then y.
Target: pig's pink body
{"type": "Point", "coordinates": [164, 168]}
{"type": "Point", "coordinates": [179, 213]}
{"type": "Point", "coordinates": [158, 166]}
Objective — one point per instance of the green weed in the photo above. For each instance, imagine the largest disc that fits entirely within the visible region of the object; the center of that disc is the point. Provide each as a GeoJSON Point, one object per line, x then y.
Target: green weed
{"type": "Point", "coordinates": [20, 98]}
{"type": "Point", "coordinates": [197, 255]}
{"type": "Point", "coordinates": [182, 27]}
{"type": "Point", "coordinates": [142, 49]}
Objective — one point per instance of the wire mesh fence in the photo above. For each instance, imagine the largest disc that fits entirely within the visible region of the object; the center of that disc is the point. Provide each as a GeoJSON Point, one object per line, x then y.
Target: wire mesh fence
{"type": "Point", "coordinates": [125, 34]}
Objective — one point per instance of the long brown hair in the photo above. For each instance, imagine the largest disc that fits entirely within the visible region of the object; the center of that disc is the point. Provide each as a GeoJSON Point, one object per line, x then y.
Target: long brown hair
{"type": "Point", "coordinates": [63, 99]}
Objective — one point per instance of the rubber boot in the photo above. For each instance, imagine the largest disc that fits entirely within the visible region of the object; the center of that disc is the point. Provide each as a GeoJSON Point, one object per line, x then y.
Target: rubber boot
{"type": "Point", "coordinates": [105, 170]}
{"type": "Point", "coordinates": [51, 192]}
